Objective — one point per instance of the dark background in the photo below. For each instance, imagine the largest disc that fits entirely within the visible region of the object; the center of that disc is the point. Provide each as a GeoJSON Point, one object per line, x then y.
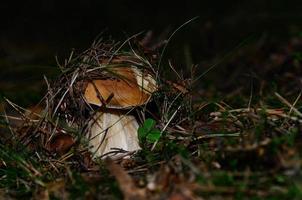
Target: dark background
{"type": "Point", "coordinates": [67, 24]}
{"type": "Point", "coordinates": [32, 33]}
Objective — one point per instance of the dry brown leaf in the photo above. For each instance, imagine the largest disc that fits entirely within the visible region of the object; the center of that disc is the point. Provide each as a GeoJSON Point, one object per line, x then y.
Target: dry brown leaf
{"type": "Point", "coordinates": [126, 183]}
{"type": "Point", "coordinates": [61, 143]}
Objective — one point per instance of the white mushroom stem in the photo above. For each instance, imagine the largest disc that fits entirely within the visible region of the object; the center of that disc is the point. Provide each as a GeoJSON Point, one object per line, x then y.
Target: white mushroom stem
{"type": "Point", "coordinates": [110, 131]}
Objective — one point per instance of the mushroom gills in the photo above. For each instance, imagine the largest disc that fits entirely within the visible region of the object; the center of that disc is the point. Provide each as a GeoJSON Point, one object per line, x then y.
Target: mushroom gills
{"type": "Point", "coordinates": [111, 131]}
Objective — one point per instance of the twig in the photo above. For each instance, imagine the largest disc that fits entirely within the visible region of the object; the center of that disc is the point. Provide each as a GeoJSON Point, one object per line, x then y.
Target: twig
{"type": "Point", "coordinates": [283, 100]}
{"type": "Point", "coordinates": [167, 124]}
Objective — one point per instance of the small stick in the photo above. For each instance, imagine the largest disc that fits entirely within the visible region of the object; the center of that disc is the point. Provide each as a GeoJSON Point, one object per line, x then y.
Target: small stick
{"type": "Point", "coordinates": [165, 127]}
{"type": "Point", "coordinates": [283, 100]}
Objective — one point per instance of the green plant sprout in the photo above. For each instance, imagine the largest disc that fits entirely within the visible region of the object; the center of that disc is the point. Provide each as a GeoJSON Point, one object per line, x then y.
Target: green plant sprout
{"type": "Point", "coordinates": [148, 132]}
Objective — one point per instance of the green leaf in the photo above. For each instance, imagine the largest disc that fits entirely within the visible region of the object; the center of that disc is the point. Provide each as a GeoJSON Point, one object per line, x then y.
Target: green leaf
{"type": "Point", "coordinates": [141, 133]}
{"type": "Point", "coordinates": [153, 136]}
{"type": "Point", "coordinates": [149, 124]}
{"type": "Point", "coordinates": [148, 131]}
{"type": "Point", "coordinates": [145, 128]}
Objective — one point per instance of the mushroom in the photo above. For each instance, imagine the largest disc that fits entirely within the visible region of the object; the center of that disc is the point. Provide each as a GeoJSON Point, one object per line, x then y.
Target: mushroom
{"type": "Point", "coordinates": [112, 130]}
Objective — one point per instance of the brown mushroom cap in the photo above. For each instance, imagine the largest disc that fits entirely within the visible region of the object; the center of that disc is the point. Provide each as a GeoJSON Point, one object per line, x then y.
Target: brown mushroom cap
{"type": "Point", "coordinates": [129, 87]}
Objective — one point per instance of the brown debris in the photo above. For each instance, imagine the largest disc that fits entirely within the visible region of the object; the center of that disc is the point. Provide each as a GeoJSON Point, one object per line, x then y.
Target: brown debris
{"type": "Point", "coordinates": [61, 143]}
{"type": "Point", "coordinates": [126, 183]}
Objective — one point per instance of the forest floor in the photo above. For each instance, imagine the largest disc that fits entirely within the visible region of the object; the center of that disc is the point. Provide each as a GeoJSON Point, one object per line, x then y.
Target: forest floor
{"type": "Point", "coordinates": [229, 128]}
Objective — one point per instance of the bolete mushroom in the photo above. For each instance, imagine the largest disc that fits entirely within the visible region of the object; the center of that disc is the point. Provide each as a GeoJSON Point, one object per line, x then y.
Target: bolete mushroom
{"type": "Point", "coordinates": [113, 131]}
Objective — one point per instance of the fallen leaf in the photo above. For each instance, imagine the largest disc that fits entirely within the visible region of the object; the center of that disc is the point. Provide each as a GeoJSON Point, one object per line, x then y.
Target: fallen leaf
{"type": "Point", "coordinates": [61, 143]}
{"type": "Point", "coordinates": [126, 183]}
